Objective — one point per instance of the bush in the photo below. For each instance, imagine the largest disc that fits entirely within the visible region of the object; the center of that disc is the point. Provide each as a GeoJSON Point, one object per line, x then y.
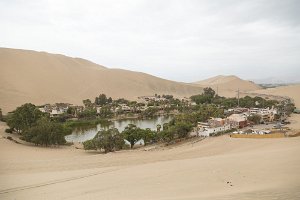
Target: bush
{"type": "Point", "coordinates": [8, 130]}
{"type": "Point", "coordinates": [24, 117]}
{"type": "Point", "coordinates": [110, 140]}
{"type": "Point", "coordinates": [45, 133]}
{"type": "Point", "coordinates": [89, 145]}
{"type": "Point", "coordinates": [132, 134]}
{"type": "Point", "coordinates": [256, 119]}
{"type": "Point", "coordinates": [9, 138]}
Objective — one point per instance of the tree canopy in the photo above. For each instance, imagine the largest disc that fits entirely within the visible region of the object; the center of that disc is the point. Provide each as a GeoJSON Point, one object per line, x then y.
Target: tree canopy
{"type": "Point", "coordinates": [45, 133]}
{"type": "Point", "coordinates": [24, 117]}
{"type": "Point", "coordinates": [132, 134]}
{"type": "Point", "coordinates": [109, 140]}
{"type": "Point", "coordinates": [102, 100]}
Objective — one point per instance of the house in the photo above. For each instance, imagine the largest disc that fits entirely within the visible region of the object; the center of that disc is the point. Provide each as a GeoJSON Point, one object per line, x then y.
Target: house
{"type": "Point", "coordinates": [254, 110]}
{"type": "Point", "coordinates": [237, 120]}
{"type": "Point", "coordinates": [267, 115]}
{"type": "Point", "coordinates": [42, 109]}
{"type": "Point", "coordinates": [213, 126]}
{"type": "Point", "coordinates": [217, 122]}
{"type": "Point", "coordinates": [56, 112]}
{"type": "Point", "coordinates": [125, 108]}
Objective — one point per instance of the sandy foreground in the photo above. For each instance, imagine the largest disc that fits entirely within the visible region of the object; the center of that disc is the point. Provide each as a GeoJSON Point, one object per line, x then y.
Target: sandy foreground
{"type": "Point", "coordinates": [214, 168]}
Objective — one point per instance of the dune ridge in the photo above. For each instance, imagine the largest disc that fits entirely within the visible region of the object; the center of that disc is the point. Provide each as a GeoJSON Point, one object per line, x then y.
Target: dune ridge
{"type": "Point", "coordinates": [40, 77]}
{"type": "Point", "coordinates": [228, 85]}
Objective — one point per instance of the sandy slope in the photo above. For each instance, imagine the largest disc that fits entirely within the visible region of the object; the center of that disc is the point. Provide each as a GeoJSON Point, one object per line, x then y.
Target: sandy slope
{"type": "Point", "coordinates": [292, 91]}
{"type": "Point", "coordinates": [255, 169]}
{"type": "Point", "coordinates": [228, 85]}
{"type": "Point", "coordinates": [39, 77]}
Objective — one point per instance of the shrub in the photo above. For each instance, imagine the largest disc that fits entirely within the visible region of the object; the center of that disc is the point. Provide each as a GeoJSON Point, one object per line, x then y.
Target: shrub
{"type": "Point", "coordinates": [8, 130]}
{"type": "Point", "coordinates": [109, 140]}
{"type": "Point", "coordinates": [45, 133]}
{"type": "Point", "coordinates": [9, 138]}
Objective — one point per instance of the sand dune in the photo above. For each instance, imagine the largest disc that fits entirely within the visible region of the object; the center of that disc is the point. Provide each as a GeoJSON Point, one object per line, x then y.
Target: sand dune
{"type": "Point", "coordinates": [39, 77]}
{"type": "Point", "coordinates": [292, 91]}
{"type": "Point", "coordinates": [215, 168]}
{"type": "Point", "coordinates": [228, 85]}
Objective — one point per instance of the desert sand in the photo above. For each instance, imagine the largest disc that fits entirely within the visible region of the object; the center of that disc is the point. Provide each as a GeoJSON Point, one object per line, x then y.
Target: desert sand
{"type": "Point", "coordinates": [228, 85]}
{"type": "Point", "coordinates": [40, 77]}
{"type": "Point", "coordinates": [214, 168]}
{"type": "Point", "coordinates": [292, 91]}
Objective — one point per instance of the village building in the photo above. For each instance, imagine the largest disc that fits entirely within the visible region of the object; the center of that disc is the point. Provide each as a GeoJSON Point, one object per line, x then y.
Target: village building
{"type": "Point", "coordinates": [237, 120]}
{"type": "Point", "coordinates": [55, 109]}
{"type": "Point", "coordinates": [213, 126]}
{"type": "Point", "coordinates": [266, 114]}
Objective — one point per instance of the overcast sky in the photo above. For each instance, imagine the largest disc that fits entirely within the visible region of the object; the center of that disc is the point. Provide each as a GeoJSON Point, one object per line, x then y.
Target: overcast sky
{"type": "Point", "coordinates": [178, 40]}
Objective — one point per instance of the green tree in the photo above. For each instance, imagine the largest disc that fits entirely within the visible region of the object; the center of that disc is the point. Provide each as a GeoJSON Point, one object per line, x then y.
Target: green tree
{"type": "Point", "coordinates": [208, 91]}
{"type": "Point", "coordinates": [101, 100]}
{"type": "Point", "coordinates": [165, 126]}
{"type": "Point", "coordinates": [105, 112]}
{"type": "Point", "coordinates": [87, 103]}
{"type": "Point", "coordinates": [109, 140]}
{"type": "Point", "coordinates": [24, 117]}
{"type": "Point", "coordinates": [167, 135]}
{"type": "Point", "coordinates": [45, 133]}
{"type": "Point", "coordinates": [71, 111]}
{"type": "Point", "coordinates": [148, 136]}
{"type": "Point", "coordinates": [132, 134]}
{"type": "Point", "coordinates": [88, 113]}
{"type": "Point", "coordinates": [158, 127]}
{"type": "Point", "coordinates": [254, 118]}
{"type": "Point", "coordinates": [149, 112]}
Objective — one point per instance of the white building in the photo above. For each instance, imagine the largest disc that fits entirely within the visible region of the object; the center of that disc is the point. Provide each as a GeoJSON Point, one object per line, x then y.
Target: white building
{"type": "Point", "coordinates": [56, 112]}
{"type": "Point", "coordinates": [98, 109]}
{"type": "Point", "coordinates": [205, 130]}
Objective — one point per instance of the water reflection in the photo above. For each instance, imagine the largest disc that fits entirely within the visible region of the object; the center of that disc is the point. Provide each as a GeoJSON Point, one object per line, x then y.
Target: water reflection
{"type": "Point", "coordinates": [83, 134]}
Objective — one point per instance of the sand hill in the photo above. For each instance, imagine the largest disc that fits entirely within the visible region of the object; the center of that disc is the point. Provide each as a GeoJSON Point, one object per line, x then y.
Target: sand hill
{"type": "Point", "coordinates": [40, 77]}
{"type": "Point", "coordinates": [228, 85]}
{"type": "Point", "coordinates": [291, 91]}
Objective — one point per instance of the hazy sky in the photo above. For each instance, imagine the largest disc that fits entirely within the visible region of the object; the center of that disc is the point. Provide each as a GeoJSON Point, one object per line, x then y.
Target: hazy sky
{"type": "Point", "coordinates": [179, 40]}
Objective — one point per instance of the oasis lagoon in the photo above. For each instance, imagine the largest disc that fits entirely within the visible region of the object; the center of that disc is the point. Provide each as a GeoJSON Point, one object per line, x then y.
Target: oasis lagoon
{"type": "Point", "coordinates": [81, 134]}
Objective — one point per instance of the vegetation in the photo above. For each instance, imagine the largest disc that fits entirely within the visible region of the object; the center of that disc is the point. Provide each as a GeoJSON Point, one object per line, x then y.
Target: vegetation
{"type": "Point", "coordinates": [102, 100]}
{"type": "Point", "coordinates": [40, 129]}
{"type": "Point", "coordinates": [108, 140]}
{"type": "Point", "coordinates": [256, 119]}
{"type": "Point", "coordinates": [89, 113]}
{"type": "Point", "coordinates": [45, 133]}
{"type": "Point", "coordinates": [87, 103]}
{"type": "Point", "coordinates": [206, 97]}
{"type": "Point", "coordinates": [149, 112]}
{"type": "Point", "coordinates": [132, 134]}
{"type": "Point", "coordinates": [1, 116]}
{"type": "Point", "coordinates": [8, 130]}
{"type": "Point", "coordinates": [175, 130]}
{"type": "Point", "coordinates": [24, 117]}
{"type": "Point", "coordinates": [209, 96]}
{"type": "Point", "coordinates": [105, 112]}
